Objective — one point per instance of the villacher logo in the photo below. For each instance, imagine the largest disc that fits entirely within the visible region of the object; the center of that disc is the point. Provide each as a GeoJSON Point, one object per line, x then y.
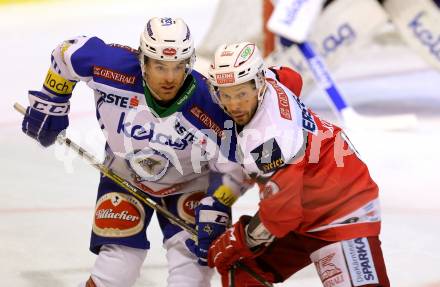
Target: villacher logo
{"type": "Point", "coordinates": [118, 215]}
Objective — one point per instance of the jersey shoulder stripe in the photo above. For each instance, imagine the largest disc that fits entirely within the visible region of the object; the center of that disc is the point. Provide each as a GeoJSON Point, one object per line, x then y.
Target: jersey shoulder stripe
{"type": "Point", "coordinates": [112, 65]}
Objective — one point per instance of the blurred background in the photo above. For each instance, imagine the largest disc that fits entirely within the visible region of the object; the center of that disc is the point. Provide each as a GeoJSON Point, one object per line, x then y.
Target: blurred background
{"type": "Point", "coordinates": [48, 195]}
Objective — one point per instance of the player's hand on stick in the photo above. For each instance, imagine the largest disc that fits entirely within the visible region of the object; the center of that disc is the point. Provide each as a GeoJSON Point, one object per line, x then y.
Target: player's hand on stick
{"type": "Point", "coordinates": [45, 117]}
{"type": "Point", "coordinates": [212, 218]}
{"type": "Point", "coordinates": [230, 247]}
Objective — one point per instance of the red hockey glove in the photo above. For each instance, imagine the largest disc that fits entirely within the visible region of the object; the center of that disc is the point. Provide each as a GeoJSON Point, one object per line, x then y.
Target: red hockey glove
{"type": "Point", "coordinates": [230, 247]}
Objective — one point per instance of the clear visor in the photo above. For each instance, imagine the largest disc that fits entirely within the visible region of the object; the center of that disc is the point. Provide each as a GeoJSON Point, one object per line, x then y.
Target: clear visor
{"type": "Point", "coordinates": [259, 82]}
{"type": "Point", "coordinates": [215, 94]}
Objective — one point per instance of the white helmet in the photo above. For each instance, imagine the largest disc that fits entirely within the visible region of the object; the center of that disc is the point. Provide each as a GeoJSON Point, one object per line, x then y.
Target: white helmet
{"type": "Point", "coordinates": [167, 39]}
{"type": "Point", "coordinates": [236, 64]}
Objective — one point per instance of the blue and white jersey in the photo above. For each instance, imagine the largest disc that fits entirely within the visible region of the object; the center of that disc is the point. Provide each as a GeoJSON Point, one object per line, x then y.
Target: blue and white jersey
{"type": "Point", "coordinates": [164, 153]}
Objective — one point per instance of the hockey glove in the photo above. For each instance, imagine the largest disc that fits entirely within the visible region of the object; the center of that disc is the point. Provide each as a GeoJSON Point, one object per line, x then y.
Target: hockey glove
{"type": "Point", "coordinates": [212, 218]}
{"type": "Point", "coordinates": [230, 247]}
{"type": "Point", "coordinates": [45, 117]}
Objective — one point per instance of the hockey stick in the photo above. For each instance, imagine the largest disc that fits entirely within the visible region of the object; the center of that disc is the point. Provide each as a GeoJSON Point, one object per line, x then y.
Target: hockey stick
{"type": "Point", "coordinates": [136, 192]}
{"type": "Point", "coordinates": [349, 117]}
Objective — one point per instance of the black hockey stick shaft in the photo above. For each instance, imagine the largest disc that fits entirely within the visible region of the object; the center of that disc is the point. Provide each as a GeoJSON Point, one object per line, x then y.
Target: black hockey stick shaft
{"type": "Point", "coordinates": [136, 192]}
{"type": "Point", "coordinates": [139, 194]}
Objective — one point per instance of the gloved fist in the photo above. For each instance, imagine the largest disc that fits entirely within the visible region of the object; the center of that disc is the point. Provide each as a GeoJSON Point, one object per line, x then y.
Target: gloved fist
{"type": "Point", "coordinates": [230, 247]}
{"type": "Point", "coordinates": [212, 218]}
{"type": "Point", "coordinates": [45, 117]}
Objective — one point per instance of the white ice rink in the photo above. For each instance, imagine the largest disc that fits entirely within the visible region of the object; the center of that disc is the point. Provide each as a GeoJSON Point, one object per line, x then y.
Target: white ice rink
{"type": "Point", "coordinates": [47, 195]}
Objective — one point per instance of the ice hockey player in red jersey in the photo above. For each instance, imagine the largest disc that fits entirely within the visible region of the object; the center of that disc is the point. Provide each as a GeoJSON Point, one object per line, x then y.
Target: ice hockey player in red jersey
{"type": "Point", "coordinates": [318, 202]}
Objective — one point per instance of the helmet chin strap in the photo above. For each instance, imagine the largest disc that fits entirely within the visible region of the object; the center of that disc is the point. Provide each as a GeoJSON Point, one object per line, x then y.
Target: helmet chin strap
{"type": "Point", "coordinates": [261, 85]}
{"type": "Point", "coordinates": [190, 64]}
{"type": "Point", "coordinates": [260, 96]}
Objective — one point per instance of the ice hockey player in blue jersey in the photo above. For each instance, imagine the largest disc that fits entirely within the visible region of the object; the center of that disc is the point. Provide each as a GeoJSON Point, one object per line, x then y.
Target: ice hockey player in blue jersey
{"type": "Point", "coordinates": [163, 133]}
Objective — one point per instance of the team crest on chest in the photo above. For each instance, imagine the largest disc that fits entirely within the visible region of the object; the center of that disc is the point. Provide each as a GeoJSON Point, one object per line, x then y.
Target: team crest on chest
{"type": "Point", "coordinates": [268, 156]}
{"type": "Point", "coordinates": [148, 165]}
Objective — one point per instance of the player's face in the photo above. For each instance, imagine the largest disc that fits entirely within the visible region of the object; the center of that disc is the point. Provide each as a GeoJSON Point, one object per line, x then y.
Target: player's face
{"type": "Point", "coordinates": [240, 101]}
{"type": "Point", "coordinates": [164, 78]}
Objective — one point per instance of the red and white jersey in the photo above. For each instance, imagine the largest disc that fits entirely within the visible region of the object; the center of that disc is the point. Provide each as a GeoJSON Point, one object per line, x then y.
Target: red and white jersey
{"type": "Point", "coordinates": [311, 178]}
{"type": "Point", "coordinates": [290, 78]}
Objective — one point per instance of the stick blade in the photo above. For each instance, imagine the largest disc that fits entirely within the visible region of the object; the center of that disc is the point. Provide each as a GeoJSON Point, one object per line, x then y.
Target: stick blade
{"type": "Point", "coordinates": [19, 108]}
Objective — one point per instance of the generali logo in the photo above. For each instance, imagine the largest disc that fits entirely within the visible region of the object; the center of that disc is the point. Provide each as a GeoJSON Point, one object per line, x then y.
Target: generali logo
{"type": "Point", "coordinates": [115, 76]}
{"type": "Point", "coordinates": [118, 215]}
{"type": "Point", "coordinates": [283, 100]}
{"type": "Point", "coordinates": [206, 120]}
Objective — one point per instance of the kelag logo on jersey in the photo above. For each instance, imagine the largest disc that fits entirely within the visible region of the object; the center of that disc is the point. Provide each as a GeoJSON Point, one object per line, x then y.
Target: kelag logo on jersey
{"type": "Point", "coordinates": [268, 156]}
{"type": "Point", "coordinates": [139, 132]}
{"type": "Point", "coordinates": [184, 132]}
{"type": "Point", "coordinates": [120, 101]}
